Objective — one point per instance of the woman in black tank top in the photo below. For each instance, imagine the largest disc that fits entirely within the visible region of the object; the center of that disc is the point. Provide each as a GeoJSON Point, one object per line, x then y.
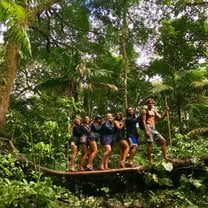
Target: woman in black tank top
{"type": "Point", "coordinates": [120, 138]}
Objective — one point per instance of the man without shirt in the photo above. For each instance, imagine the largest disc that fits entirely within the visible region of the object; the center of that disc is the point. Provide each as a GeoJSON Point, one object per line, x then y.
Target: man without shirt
{"type": "Point", "coordinates": [149, 116]}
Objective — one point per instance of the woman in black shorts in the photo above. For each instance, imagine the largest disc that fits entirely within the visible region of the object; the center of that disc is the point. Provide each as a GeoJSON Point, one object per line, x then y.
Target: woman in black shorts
{"type": "Point", "coordinates": [120, 138]}
{"type": "Point", "coordinates": [94, 135]}
{"type": "Point", "coordinates": [85, 128]}
{"type": "Point", "coordinates": [74, 142]}
{"type": "Point", "coordinates": [132, 134]}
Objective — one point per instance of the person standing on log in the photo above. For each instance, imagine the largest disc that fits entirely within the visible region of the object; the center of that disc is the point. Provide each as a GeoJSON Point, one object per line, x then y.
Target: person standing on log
{"type": "Point", "coordinates": [106, 140]}
{"type": "Point", "coordinates": [74, 142]}
{"type": "Point", "coordinates": [85, 129]}
{"type": "Point", "coordinates": [149, 116]}
{"type": "Point", "coordinates": [120, 138]}
{"type": "Point", "coordinates": [94, 135]}
{"type": "Point", "coordinates": [132, 134]}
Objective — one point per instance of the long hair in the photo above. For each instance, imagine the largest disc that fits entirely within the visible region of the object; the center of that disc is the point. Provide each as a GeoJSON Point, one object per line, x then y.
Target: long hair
{"type": "Point", "coordinates": [118, 113]}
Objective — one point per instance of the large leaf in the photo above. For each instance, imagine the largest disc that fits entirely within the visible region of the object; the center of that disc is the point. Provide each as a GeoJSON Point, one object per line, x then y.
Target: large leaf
{"type": "Point", "coordinates": [14, 17]}
{"type": "Point", "coordinates": [167, 166]}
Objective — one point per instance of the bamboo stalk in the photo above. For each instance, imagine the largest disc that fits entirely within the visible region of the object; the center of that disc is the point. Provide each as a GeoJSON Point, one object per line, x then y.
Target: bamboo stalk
{"type": "Point", "coordinates": [168, 117]}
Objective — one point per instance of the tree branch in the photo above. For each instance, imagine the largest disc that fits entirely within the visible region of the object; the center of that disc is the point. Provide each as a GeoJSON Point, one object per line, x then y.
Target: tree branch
{"type": "Point", "coordinates": [47, 36]}
{"type": "Point", "coordinates": [197, 4]}
{"type": "Point", "coordinates": [41, 7]}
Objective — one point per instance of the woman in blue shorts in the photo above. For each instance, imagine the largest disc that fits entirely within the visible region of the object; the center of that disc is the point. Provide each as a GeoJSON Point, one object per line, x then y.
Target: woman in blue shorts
{"type": "Point", "coordinates": [132, 134]}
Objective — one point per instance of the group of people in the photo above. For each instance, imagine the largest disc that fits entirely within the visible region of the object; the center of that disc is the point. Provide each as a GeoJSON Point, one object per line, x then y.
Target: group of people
{"type": "Point", "coordinates": [85, 135]}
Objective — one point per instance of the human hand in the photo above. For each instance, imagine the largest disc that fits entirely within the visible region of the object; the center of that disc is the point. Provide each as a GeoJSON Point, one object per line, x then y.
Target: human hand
{"type": "Point", "coordinates": [147, 133]}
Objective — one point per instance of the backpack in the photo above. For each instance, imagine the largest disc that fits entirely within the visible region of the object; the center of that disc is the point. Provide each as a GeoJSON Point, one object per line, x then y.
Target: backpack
{"type": "Point", "coordinates": [141, 125]}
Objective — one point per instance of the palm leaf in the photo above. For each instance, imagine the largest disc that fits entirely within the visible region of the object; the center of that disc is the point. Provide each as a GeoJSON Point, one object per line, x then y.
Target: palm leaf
{"type": "Point", "coordinates": [191, 78]}
{"type": "Point", "coordinates": [198, 101]}
{"type": "Point", "coordinates": [12, 10]}
{"type": "Point", "coordinates": [16, 17]}
{"type": "Point", "coordinates": [109, 86]}
{"type": "Point", "coordinates": [159, 87]}
{"type": "Point", "coordinates": [94, 85]}
{"type": "Point", "coordinates": [93, 72]}
{"type": "Point", "coordinates": [200, 84]}
{"type": "Point", "coordinates": [20, 36]}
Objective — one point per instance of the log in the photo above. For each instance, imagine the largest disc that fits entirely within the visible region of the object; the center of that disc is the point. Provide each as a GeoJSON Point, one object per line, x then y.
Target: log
{"type": "Point", "coordinates": [7, 146]}
{"type": "Point", "coordinates": [116, 180]}
{"type": "Point", "coordinates": [93, 172]}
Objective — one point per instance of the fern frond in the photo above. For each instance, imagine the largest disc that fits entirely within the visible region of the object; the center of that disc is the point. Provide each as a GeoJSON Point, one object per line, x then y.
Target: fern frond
{"type": "Point", "coordinates": [110, 86]}
{"type": "Point", "coordinates": [200, 84]}
{"type": "Point", "coordinates": [21, 37]}
{"type": "Point", "coordinates": [92, 72]}
{"type": "Point", "coordinates": [159, 87]}
{"type": "Point", "coordinates": [92, 86]}
{"type": "Point", "coordinates": [12, 10]}
{"type": "Point", "coordinates": [15, 17]}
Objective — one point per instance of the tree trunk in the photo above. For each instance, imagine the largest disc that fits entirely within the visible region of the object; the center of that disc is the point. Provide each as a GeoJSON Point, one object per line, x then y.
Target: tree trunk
{"type": "Point", "coordinates": [124, 34]}
{"type": "Point", "coordinates": [8, 74]}
{"type": "Point", "coordinates": [177, 101]}
{"type": "Point", "coordinates": [11, 58]}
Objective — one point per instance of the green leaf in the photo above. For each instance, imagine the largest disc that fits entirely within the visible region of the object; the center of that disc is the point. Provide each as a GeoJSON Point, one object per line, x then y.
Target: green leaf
{"type": "Point", "coordinates": [167, 166]}
{"type": "Point", "coordinates": [196, 183]}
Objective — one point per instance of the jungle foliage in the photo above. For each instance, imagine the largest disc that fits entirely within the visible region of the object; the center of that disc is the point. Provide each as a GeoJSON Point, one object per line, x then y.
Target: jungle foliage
{"type": "Point", "coordinates": [60, 59]}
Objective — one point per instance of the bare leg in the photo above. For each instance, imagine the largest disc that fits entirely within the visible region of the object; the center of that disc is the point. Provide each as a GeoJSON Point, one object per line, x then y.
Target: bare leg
{"type": "Point", "coordinates": [106, 154]}
{"type": "Point", "coordinates": [132, 153]}
{"type": "Point", "coordinates": [106, 162]}
{"type": "Point", "coordinates": [124, 146]}
{"type": "Point", "coordinates": [83, 157]}
{"type": "Point", "coordinates": [93, 153]}
{"type": "Point", "coordinates": [162, 142]}
{"type": "Point", "coordinates": [120, 154]}
{"type": "Point", "coordinates": [73, 157]}
{"type": "Point", "coordinates": [149, 152]}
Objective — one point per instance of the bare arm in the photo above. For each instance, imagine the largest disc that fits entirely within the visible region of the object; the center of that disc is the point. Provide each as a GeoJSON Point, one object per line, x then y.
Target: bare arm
{"type": "Point", "coordinates": [161, 117]}
{"type": "Point", "coordinates": [118, 125]}
{"type": "Point", "coordinates": [144, 118]}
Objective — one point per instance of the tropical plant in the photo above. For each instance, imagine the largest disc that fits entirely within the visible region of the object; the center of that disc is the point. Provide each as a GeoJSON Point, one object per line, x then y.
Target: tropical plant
{"type": "Point", "coordinates": [17, 17]}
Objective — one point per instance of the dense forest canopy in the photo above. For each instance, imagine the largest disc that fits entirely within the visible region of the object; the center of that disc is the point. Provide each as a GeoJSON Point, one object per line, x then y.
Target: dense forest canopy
{"type": "Point", "coordinates": [60, 59]}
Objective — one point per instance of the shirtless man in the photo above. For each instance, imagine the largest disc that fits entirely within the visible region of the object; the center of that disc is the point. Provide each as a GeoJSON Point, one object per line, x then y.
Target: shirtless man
{"type": "Point", "coordinates": [149, 116]}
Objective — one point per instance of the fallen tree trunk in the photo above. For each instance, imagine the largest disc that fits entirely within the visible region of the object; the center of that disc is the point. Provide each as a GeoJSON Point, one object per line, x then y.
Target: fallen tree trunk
{"type": "Point", "coordinates": [117, 180]}
{"type": "Point", "coordinates": [7, 146]}
{"type": "Point", "coordinates": [198, 131]}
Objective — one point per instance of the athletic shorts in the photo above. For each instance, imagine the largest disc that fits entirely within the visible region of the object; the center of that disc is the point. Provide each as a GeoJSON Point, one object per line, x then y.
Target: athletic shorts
{"type": "Point", "coordinates": [154, 134]}
{"type": "Point", "coordinates": [133, 141]}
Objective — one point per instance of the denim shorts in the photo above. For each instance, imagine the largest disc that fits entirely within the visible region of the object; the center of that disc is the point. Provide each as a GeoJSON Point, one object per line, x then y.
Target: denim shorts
{"type": "Point", "coordinates": [106, 140]}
